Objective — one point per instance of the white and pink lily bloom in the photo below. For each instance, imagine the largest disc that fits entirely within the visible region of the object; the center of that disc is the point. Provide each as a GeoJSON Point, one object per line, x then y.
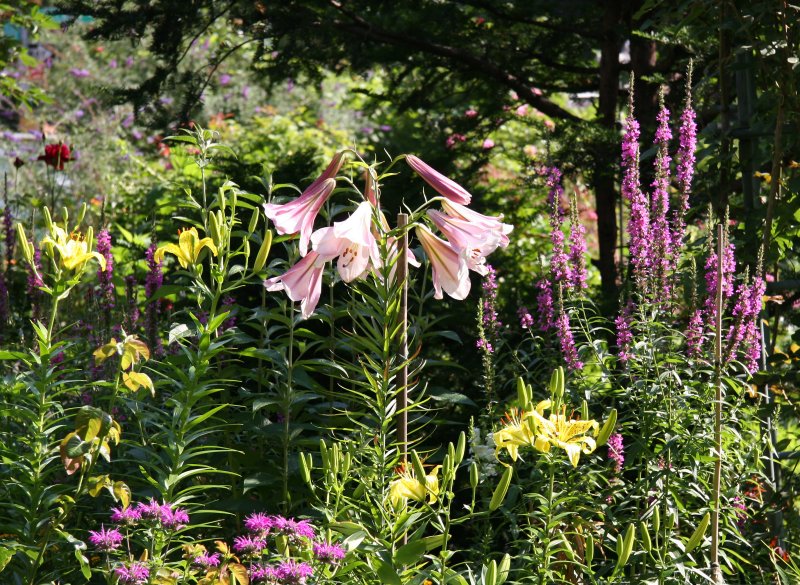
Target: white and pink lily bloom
{"type": "Point", "coordinates": [298, 215]}
{"type": "Point", "coordinates": [352, 241]}
{"type": "Point", "coordinates": [450, 272]}
{"type": "Point", "coordinates": [442, 185]}
{"type": "Point", "coordinates": [487, 222]}
{"type": "Point", "coordinates": [470, 239]}
{"type": "Point", "coordinates": [302, 282]}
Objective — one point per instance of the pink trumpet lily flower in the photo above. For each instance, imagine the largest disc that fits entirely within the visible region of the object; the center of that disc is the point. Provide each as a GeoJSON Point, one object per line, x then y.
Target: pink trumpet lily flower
{"type": "Point", "coordinates": [302, 282]}
{"type": "Point", "coordinates": [487, 222]}
{"type": "Point", "coordinates": [299, 215]}
{"type": "Point", "coordinates": [352, 241]}
{"type": "Point", "coordinates": [467, 238]}
{"type": "Point", "coordinates": [442, 185]}
{"type": "Point", "coordinates": [450, 272]}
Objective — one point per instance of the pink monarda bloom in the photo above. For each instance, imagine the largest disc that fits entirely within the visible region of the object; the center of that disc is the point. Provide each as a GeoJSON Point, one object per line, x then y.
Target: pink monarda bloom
{"type": "Point", "coordinates": [302, 282]}
{"type": "Point", "coordinates": [352, 241]}
{"type": "Point", "coordinates": [467, 238]}
{"type": "Point", "coordinates": [450, 271]}
{"type": "Point", "coordinates": [486, 222]}
{"type": "Point", "coordinates": [442, 185]}
{"type": "Point", "coordinates": [298, 215]}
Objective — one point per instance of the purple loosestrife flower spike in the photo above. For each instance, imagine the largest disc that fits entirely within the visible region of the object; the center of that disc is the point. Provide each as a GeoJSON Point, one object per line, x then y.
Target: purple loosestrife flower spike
{"type": "Point", "coordinates": [105, 540]}
{"type": "Point", "coordinates": [577, 252]}
{"type": "Point", "coordinates": [105, 277]}
{"type": "Point", "coordinates": [568, 347]}
{"type": "Point", "coordinates": [490, 323]}
{"type": "Point", "coordinates": [544, 305]}
{"type": "Point", "coordinates": [135, 573]}
{"type": "Point", "coordinates": [694, 334]}
{"type": "Point", "coordinates": [752, 331]}
{"type": "Point", "coordinates": [4, 312]}
{"type": "Point", "coordinates": [663, 254]}
{"type": "Point", "coordinates": [10, 237]}
{"type": "Point", "coordinates": [687, 135]}
{"type": "Point", "coordinates": [624, 334]}
{"type": "Point", "coordinates": [525, 318]}
{"type": "Point", "coordinates": [616, 451]}
{"type": "Point", "coordinates": [639, 222]}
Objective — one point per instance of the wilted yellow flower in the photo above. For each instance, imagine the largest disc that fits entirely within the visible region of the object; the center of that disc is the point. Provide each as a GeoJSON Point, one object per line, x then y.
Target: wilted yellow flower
{"type": "Point", "coordinates": [568, 434]}
{"type": "Point", "coordinates": [73, 249]}
{"type": "Point", "coordinates": [131, 349]}
{"type": "Point", "coordinates": [407, 487]}
{"type": "Point", "coordinates": [766, 177]}
{"type": "Point", "coordinates": [188, 249]}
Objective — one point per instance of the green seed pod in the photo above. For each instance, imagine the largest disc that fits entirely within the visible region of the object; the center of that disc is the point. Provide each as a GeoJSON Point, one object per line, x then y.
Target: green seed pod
{"type": "Point", "coordinates": [645, 536]}
{"type": "Point", "coordinates": [474, 475]}
{"type": "Point", "coordinates": [263, 252]}
{"type": "Point", "coordinates": [500, 491]}
{"type": "Point", "coordinates": [699, 533]}
{"type": "Point", "coordinates": [461, 448]}
{"type": "Point", "coordinates": [607, 428]}
{"type": "Point", "coordinates": [491, 573]}
{"type": "Point", "coordinates": [251, 227]}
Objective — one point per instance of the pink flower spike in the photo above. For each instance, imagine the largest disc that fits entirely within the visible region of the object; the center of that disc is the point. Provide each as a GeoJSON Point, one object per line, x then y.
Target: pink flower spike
{"type": "Point", "coordinates": [442, 185]}
{"type": "Point", "coordinates": [450, 272]}
{"type": "Point", "coordinates": [299, 214]}
{"type": "Point", "coordinates": [352, 241]}
{"type": "Point", "coordinates": [487, 222]}
{"type": "Point", "coordinates": [467, 238]}
{"type": "Point", "coordinates": [302, 282]}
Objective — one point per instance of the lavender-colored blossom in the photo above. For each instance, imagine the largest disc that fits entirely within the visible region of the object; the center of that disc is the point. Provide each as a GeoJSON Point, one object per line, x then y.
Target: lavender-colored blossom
{"type": "Point", "coordinates": [568, 348]}
{"type": "Point", "coordinates": [105, 277]}
{"type": "Point", "coordinates": [490, 323]}
{"type": "Point", "coordinates": [328, 553]}
{"type": "Point", "coordinates": [135, 573]}
{"type": "Point", "coordinates": [206, 560]}
{"type": "Point", "coordinates": [555, 191]}
{"type": "Point", "coordinates": [174, 519]}
{"type": "Point", "coordinates": [79, 73]}
{"type": "Point", "coordinates": [105, 540]}
{"type": "Point", "coordinates": [133, 315]}
{"type": "Point", "coordinates": [752, 332]}
{"type": "Point", "coordinates": [559, 263]}
{"type": "Point", "coordinates": [624, 333]}
{"type": "Point", "coordinates": [687, 136]}
{"type": "Point", "coordinates": [291, 572]}
{"type": "Point", "coordinates": [249, 544]}
{"type": "Point", "coordinates": [728, 270]}
{"type": "Point", "coordinates": [258, 523]}
{"type": "Point", "coordinates": [525, 318]}
{"type": "Point", "coordinates": [130, 515]}
{"type": "Point", "coordinates": [694, 334]}
{"type": "Point", "coordinates": [616, 451]}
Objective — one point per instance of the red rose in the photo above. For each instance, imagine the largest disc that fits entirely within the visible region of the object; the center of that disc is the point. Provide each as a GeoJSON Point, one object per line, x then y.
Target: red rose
{"type": "Point", "coordinates": [55, 155]}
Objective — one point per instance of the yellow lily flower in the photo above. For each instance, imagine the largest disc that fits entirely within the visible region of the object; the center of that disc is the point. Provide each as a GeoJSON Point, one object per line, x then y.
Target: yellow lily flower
{"type": "Point", "coordinates": [564, 433]}
{"type": "Point", "coordinates": [408, 487]}
{"type": "Point", "coordinates": [73, 249]}
{"type": "Point", "coordinates": [188, 249]}
{"type": "Point", "coordinates": [518, 431]}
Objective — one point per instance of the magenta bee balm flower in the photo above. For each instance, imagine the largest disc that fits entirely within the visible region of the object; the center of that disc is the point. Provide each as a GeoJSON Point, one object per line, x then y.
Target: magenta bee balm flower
{"type": "Point", "coordinates": [105, 540]}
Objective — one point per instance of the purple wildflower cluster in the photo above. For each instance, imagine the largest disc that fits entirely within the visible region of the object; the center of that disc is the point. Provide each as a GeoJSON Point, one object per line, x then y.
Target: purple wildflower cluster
{"type": "Point", "coordinates": [490, 323]}
{"type": "Point", "coordinates": [687, 136]}
{"type": "Point", "coordinates": [616, 451]}
{"type": "Point", "coordinates": [624, 333]}
{"type": "Point", "coordinates": [206, 561]}
{"type": "Point", "coordinates": [663, 251]}
{"type": "Point", "coordinates": [135, 573]}
{"type": "Point", "coordinates": [568, 348]}
{"type": "Point", "coordinates": [164, 515]}
{"type": "Point", "coordinates": [105, 277]}
{"type": "Point", "coordinates": [106, 540]}
{"type": "Point", "coordinates": [525, 318]}
{"type": "Point", "coordinates": [288, 572]}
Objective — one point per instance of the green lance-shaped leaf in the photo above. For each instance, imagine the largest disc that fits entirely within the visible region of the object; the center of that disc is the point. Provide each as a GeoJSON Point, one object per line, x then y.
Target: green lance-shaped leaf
{"type": "Point", "coordinates": [699, 533]}
{"type": "Point", "coordinates": [410, 553]}
{"type": "Point", "coordinates": [644, 534]}
{"type": "Point", "coordinates": [503, 568]}
{"type": "Point", "coordinates": [607, 428]}
{"type": "Point", "coordinates": [500, 491]}
{"type": "Point", "coordinates": [263, 252]}
{"type": "Point", "coordinates": [490, 575]}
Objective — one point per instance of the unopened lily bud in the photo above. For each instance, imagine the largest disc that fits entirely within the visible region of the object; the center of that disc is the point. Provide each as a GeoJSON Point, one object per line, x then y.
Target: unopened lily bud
{"type": "Point", "coordinates": [461, 448]}
{"type": "Point", "coordinates": [48, 220]}
{"type": "Point", "coordinates": [474, 475]}
{"type": "Point", "coordinates": [253, 221]}
{"type": "Point", "coordinates": [213, 228]}
{"type": "Point", "coordinates": [263, 252]}
{"type": "Point", "coordinates": [25, 246]}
